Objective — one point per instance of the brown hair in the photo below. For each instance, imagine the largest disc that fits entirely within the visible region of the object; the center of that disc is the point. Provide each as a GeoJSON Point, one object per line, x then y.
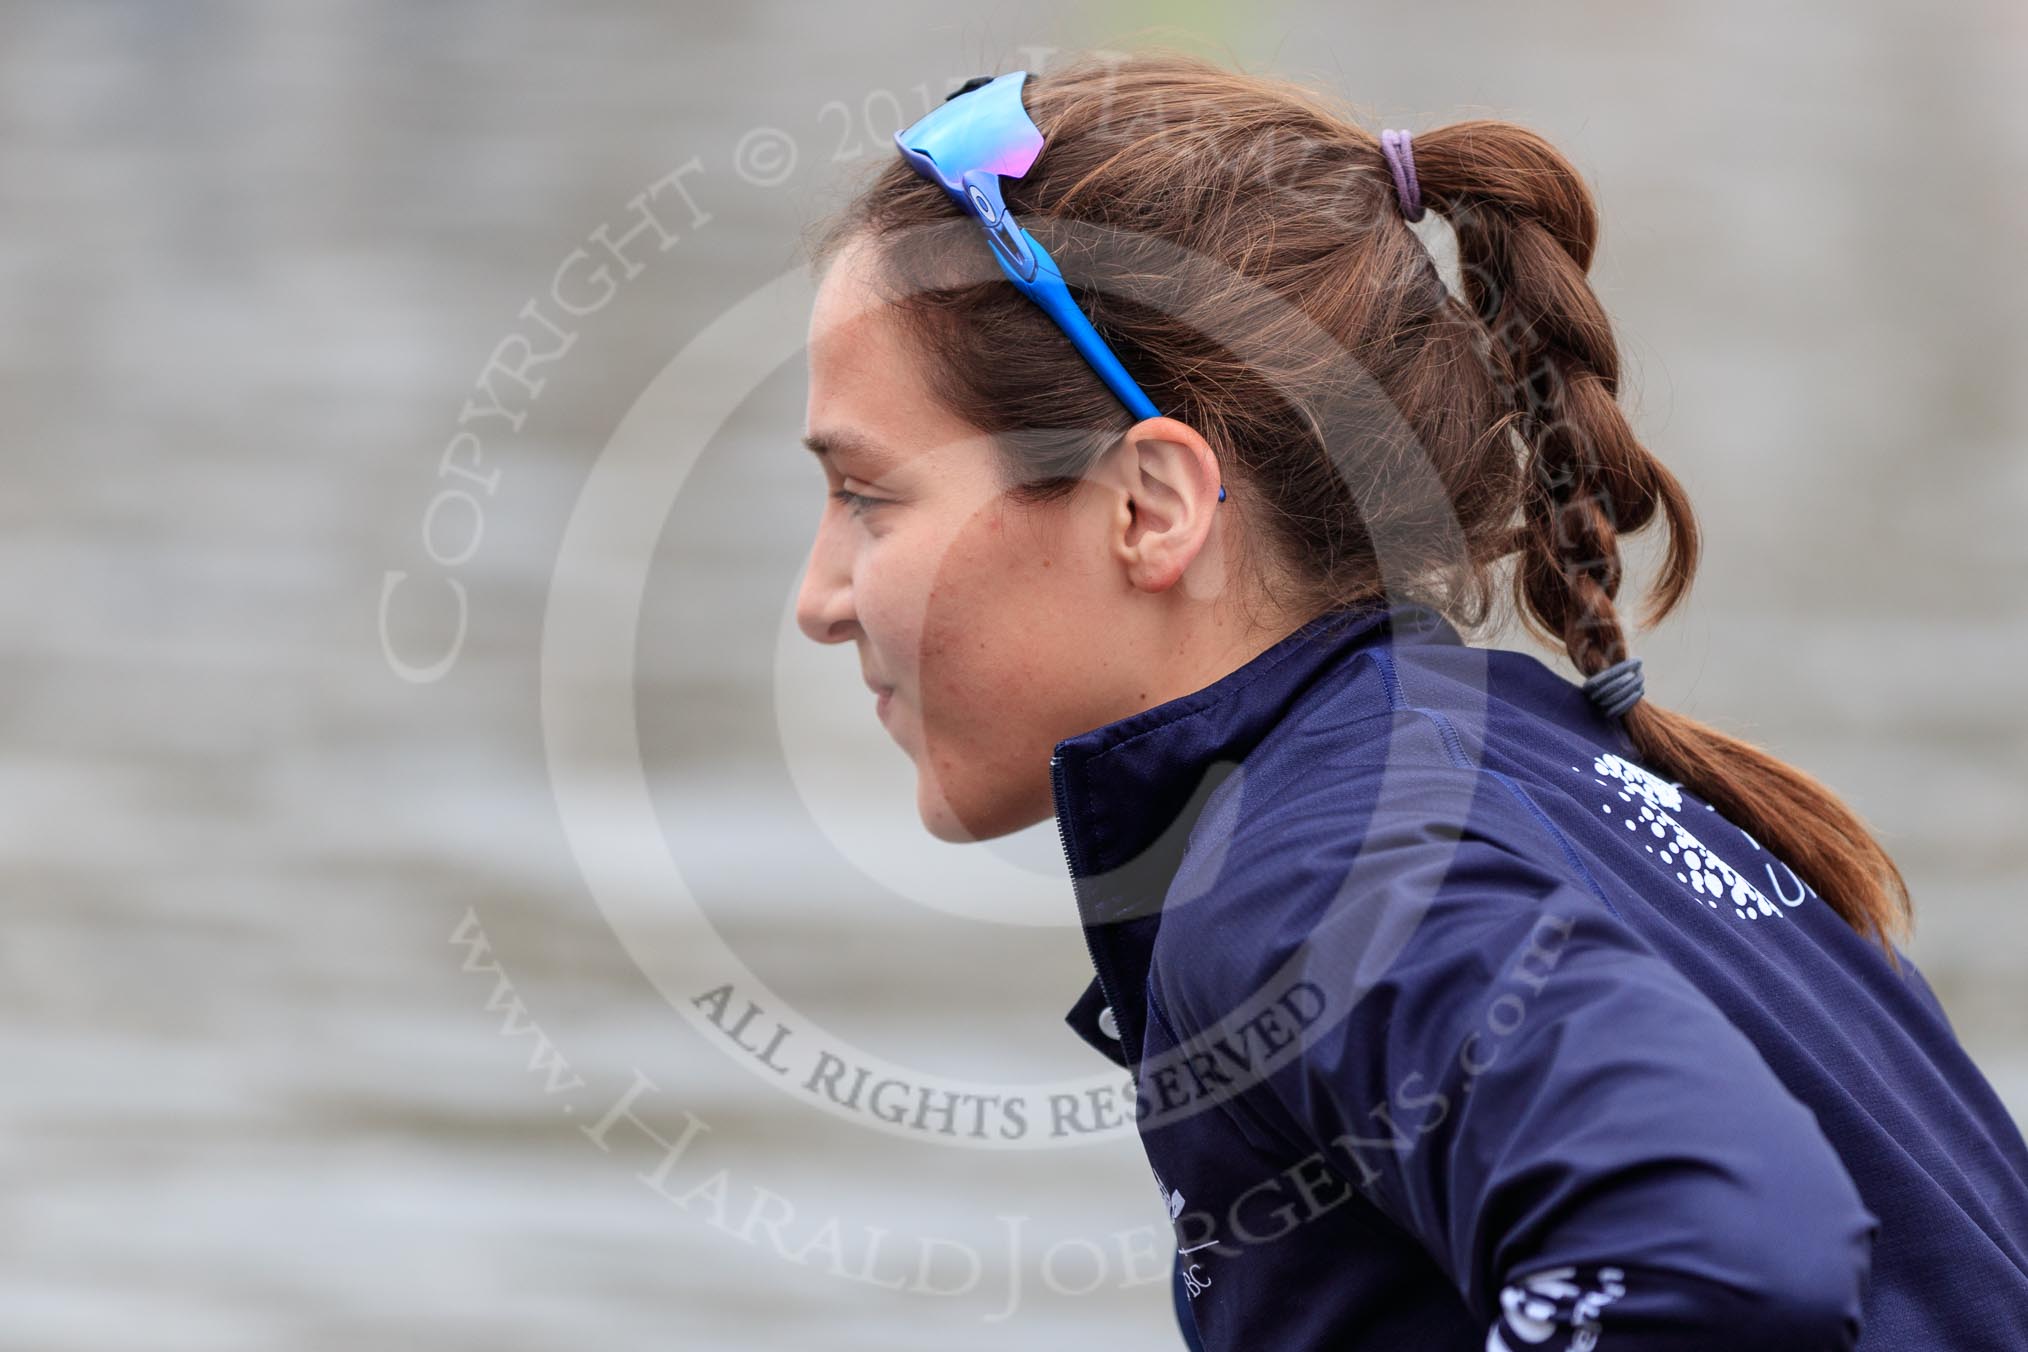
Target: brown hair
{"type": "Point", "coordinates": [1236, 238]}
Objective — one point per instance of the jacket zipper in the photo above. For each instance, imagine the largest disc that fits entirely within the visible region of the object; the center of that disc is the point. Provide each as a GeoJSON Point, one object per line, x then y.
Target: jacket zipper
{"type": "Point", "coordinates": [1071, 862]}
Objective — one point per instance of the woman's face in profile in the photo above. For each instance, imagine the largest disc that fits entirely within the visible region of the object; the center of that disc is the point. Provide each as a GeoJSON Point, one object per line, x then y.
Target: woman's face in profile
{"type": "Point", "coordinates": [984, 620]}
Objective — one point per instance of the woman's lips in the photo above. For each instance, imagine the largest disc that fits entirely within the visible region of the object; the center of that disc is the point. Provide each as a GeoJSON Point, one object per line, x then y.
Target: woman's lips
{"type": "Point", "coordinates": [885, 693]}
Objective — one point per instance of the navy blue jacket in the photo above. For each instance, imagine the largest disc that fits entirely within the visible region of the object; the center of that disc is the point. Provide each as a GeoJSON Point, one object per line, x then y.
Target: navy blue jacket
{"type": "Point", "coordinates": [1452, 1026]}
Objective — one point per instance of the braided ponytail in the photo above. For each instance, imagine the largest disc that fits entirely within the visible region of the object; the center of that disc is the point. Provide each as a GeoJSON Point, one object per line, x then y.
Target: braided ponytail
{"type": "Point", "coordinates": [1526, 229]}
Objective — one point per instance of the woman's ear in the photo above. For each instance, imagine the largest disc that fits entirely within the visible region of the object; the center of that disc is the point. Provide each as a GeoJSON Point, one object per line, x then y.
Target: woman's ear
{"type": "Point", "coordinates": [1167, 478]}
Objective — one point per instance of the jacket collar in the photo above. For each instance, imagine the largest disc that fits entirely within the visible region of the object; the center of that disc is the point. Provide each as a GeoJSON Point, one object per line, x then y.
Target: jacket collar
{"type": "Point", "coordinates": [1128, 793]}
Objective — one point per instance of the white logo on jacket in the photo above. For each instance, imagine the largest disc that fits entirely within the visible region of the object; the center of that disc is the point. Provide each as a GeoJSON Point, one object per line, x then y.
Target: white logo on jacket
{"type": "Point", "coordinates": [1555, 1303]}
{"type": "Point", "coordinates": [1656, 801]}
{"type": "Point", "coordinates": [1194, 1279]}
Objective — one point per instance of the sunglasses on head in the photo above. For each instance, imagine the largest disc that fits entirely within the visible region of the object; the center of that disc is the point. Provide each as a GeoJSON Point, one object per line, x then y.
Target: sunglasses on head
{"type": "Point", "coordinates": [980, 135]}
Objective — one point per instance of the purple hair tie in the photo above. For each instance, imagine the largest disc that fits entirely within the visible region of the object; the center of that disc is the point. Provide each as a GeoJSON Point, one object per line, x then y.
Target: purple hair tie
{"type": "Point", "coordinates": [1401, 160]}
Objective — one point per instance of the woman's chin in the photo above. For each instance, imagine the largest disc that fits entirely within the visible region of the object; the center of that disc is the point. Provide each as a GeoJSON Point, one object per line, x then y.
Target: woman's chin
{"type": "Point", "coordinates": [972, 822]}
{"type": "Point", "coordinates": [939, 818]}
{"type": "Point", "coordinates": [945, 828]}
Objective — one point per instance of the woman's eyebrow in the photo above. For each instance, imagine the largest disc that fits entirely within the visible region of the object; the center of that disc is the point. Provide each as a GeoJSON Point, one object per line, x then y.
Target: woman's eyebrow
{"type": "Point", "coordinates": [848, 444]}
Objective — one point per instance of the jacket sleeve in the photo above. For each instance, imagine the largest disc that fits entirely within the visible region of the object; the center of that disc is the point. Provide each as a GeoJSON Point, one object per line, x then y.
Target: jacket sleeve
{"type": "Point", "coordinates": [1586, 1145]}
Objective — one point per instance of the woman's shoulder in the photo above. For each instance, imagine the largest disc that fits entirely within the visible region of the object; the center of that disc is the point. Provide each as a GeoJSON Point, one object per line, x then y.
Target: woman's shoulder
{"type": "Point", "coordinates": [1365, 833]}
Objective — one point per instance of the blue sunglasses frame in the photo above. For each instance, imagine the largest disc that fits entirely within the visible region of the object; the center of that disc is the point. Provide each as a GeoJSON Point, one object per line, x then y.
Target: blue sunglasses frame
{"type": "Point", "coordinates": [981, 134]}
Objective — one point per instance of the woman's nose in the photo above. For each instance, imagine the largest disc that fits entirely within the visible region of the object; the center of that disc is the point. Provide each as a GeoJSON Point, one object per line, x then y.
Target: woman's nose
{"type": "Point", "coordinates": [824, 602]}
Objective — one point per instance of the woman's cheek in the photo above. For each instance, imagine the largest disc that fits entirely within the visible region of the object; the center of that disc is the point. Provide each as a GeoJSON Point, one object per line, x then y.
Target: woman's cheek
{"type": "Point", "coordinates": [890, 599]}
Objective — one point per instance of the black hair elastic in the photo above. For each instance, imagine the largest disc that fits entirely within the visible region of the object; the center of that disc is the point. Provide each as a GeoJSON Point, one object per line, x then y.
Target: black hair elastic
{"type": "Point", "coordinates": [1618, 688]}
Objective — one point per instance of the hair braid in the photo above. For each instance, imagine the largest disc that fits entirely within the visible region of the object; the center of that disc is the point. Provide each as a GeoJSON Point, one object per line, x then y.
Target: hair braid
{"type": "Point", "coordinates": [1527, 229]}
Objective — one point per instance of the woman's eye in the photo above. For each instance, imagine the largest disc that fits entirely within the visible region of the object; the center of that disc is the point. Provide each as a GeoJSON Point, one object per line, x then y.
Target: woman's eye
{"type": "Point", "coordinates": [858, 502]}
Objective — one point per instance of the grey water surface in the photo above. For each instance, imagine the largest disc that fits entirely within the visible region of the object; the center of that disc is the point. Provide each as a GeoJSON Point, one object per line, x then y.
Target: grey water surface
{"type": "Point", "coordinates": [299, 947]}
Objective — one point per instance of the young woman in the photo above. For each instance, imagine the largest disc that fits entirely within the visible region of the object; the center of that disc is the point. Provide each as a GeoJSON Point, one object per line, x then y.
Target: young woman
{"type": "Point", "coordinates": [1467, 1006]}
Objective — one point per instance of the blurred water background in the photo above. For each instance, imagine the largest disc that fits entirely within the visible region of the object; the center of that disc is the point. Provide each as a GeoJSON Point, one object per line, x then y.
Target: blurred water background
{"type": "Point", "coordinates": [254, 261]}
